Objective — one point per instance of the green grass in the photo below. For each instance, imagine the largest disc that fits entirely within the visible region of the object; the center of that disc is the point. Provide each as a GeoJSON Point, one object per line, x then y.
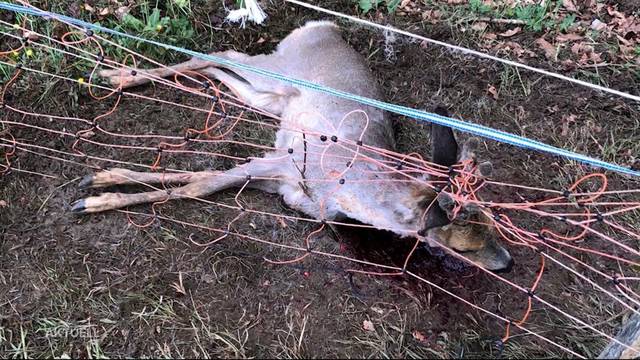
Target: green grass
{"type": "Point", "coordinates": [368, 5]}
{"type": "Point", "coordinates": [169, 21]}
{"type": "Point", "coordinates": [171, 26]}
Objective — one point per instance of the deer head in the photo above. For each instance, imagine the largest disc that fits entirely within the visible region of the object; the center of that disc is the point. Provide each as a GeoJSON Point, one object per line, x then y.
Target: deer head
{"type": "Point", "coordinates": [464, 227]}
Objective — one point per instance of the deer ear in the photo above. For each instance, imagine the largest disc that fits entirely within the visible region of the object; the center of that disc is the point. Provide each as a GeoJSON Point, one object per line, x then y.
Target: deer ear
{"type": "Point", "coordinates": [436, 217]}
{"type": "Point", "coordinates": [444, 148]}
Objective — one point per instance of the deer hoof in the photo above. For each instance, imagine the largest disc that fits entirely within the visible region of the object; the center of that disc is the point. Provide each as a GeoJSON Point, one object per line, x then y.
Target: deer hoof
{"type": "Point", "coordinates": [78, 207]}
{"type": "Point", "coordinates": [105, 178]}
{"type": "Point", "coordinates": [86, 182]}
{"type": "Point", "coordinates": [94, 204]}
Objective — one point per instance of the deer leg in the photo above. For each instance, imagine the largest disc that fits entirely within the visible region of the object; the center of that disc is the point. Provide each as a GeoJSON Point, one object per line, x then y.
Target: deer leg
{"type": "Point", "coordinates": [201, 185]}
{"type": "Point", "coordinates": [127, 79]}
{"type": "Point", "coordinates": [119, 176]}
{"type": "Point", "coordinates": [256, 90]}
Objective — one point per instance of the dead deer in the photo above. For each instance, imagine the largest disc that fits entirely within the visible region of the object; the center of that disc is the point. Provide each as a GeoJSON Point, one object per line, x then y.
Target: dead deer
{"type": "Point", "coordinates": [317, 53]}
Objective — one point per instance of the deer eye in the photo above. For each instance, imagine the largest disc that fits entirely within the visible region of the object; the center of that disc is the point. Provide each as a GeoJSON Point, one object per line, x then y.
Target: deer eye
{"type": "Point", "coordinates": [462, 217]}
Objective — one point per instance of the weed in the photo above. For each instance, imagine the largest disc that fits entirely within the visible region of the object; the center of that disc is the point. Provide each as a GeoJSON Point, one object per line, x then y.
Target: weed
{"type": "Point", "coordinates": [566, 23]}
{"type": "Point", "coordinates": [535, 16]}
{"type": "Point", "coordinates": [478, 6]}
{"type": "Point", "coordinates": [173, 28]}
{"type": "Point", "coordinates": [367, 5]}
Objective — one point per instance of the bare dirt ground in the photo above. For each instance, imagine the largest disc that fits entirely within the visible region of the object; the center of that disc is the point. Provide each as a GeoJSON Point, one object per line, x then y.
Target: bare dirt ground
{"type": "Point", "coordinates": [97, 286]}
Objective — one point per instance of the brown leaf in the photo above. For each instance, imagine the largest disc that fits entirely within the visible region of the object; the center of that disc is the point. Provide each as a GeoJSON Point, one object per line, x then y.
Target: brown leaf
{"type": "Point", "coordinates": [568, 64]}
{"type": "Point", "coordinates": [492, 90]}
{"type": "Point", "coordinates": [456, 2]}
{"type": "Point", "coordinates": [431, 15]}
{"type": "Point", "coordinates": [569, 5]}
{"type": "Point", "coordinates": [3, 203]}
{"type": "Point", "coordinates": [89, 8]}
{"type": "Point", "coordinates": [121, 12]}
{"type": "Point", "coordinates": [581, 48]}
{"type": "Point", "coordinates": [615, 13]}
{"type": "Point", "coordinates": [511, 32]}
{"type": "Point", "coordinates": [568, 37]}
{"type": "Point", "coordinates": [479, 26]}
{"type": "Point", "coordinates": [549, 50]}
{"type": "Point", "coordinates": [105, 12]}
{"type": "Point", "coordinates": [490, 36]}
{"type": "Point", "coordinates": [368, 325]}
{"type": "Point", "coordinates": [419, 336]}
{"type": "Point", "coordinates": [595, 57]}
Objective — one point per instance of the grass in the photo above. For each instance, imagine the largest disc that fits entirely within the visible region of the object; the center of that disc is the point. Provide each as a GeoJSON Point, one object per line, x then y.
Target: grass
{"type": "Point", "coordinates": [169, 22]}
{"type": "Point", "coordinates": [172, 26]}
{"type": "Point", "coordinates": [368, 5]}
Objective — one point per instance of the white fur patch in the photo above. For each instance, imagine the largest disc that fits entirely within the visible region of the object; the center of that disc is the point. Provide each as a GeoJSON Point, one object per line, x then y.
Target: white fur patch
{"type": "Point", "coordinates": [318, 23]}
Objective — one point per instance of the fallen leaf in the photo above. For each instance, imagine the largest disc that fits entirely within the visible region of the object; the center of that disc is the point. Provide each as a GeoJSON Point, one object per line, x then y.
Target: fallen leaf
{"type": "Point", "coordinates": [598, 25]}
{"type": "Point", "coordinates": [479, 26]}
{"type": "Point", "coordinates": [431, 15]}
{"type": "Point", "coordinates": [615, 13]}
{"type": "Point", "coordinates": [456, 2]}
{"type": "Point", "coordinates": [511, 32]}
{"type": "Point", "coordinates": [568, 37]}
{"type": "Point", "coordinates": [581, 48]}
{"type": "Point", "coordinates": [121, 12]}
{"type": "Point", "coordinates": [419, 336]}
{"type": "Point", "coordinates": [569, 5]}
{"type": "Point", "coordinates": [404, 3]}
{"type": "Point", "coordinates": [260, 41]}
{"type": "Point", "coordinates": [627, 51]}
{"type": "Point", "coordinates": [105, 12]}
{"type": "Point", "coordinates": [568, 64]}
{"type": "Point", "coordinates": [549, 50]}
{"type": "Point", "coordinates": [490, 36]}
{"type": "Point", "coordinates": [368, 325]}
{"type": "Point", "coordinates": [3, 203]}
{"type": "Point", "coordinates": [89, 8]}
{"type": "Point", "coordinates": [595, 57]}
{"type": "Point", "coordinates": [514, 47]}
{"type": "Point", "coordinates": [492, 90]}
